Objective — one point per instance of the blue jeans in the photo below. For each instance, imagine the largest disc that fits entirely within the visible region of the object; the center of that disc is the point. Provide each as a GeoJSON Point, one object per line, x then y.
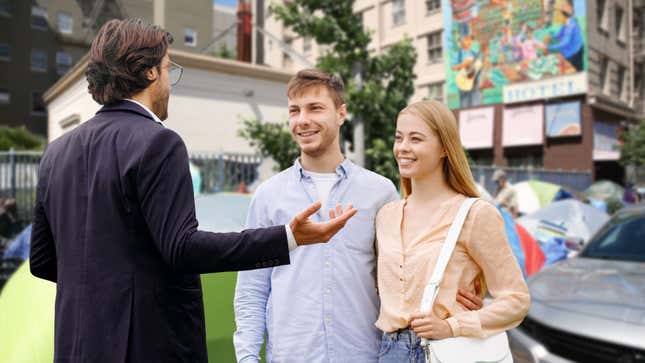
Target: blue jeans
{"type": "Point", "coordinates": [401, 346]}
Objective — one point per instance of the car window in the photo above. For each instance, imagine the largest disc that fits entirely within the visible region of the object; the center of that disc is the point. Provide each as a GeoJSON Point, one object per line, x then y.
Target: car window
{"type": "Point", "coordinates": [623, 239]}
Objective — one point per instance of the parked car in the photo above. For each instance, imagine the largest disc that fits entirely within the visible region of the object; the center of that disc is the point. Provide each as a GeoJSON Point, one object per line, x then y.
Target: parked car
{"type": "Point", "coordinates": [590, 308]}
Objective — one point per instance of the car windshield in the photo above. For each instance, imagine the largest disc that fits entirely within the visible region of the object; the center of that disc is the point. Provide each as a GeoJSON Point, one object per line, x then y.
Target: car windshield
{"type": "Point", "coordinates": [621, 239]}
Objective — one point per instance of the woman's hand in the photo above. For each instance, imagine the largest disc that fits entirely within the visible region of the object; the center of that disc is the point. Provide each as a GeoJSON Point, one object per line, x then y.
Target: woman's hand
{"type": "Point", "coordinates": [428, 325]}
{"type": "Point", "coordinates": [471, 301]}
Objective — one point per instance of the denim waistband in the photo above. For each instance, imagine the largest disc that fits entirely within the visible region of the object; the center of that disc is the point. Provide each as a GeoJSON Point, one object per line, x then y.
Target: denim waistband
{"type": "Point", "coordinates": [405, 333]}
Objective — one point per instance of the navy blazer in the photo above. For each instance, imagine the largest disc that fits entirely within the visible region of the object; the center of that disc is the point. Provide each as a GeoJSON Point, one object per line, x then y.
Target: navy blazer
{"type": "Point", "coordinates": [115, 229]}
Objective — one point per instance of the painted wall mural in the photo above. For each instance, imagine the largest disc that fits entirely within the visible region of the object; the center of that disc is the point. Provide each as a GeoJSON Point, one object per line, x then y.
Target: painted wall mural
{"type": "Point", "coordinates": [513, 50]}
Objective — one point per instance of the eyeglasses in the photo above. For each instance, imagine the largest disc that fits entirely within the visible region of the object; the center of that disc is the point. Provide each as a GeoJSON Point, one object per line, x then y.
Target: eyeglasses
{"type": "Point", "coordinates": [174, 73]}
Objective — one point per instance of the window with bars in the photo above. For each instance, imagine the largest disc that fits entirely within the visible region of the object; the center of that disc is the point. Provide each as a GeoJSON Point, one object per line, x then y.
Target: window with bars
{"type": "Point", "coordinates": [432, 6]}
{"type": "Point", "coordinates": [604, 82]}
{"type": "Point", "coordinates": [39, 18]}
{"type": "Point", "coordinates": [190, 37]}
{"type": "Point", "coordinates": [37, 104]}
{"type": "Point", "coordinates": [601, 15]}
{"type": "Point", "coordinates": [64, 22]}
{"type": "Point", "coordinates": [4, 52]}
{"type": "Point", "coordinates": [63, 62]}
{"type": "Point", "coordinates": [38, 60]}
{"type": "Point", "coordinates": [5, 96]}
{"type": "Point", "coordinates": [621, 31]}
{"type": "Point", "coordinates": [435, 91]}
{"type": "Point", "coordinates": [434, 47]}
{"type": "Point", "coordinates": [5, 8]}
{"type": "Point", "coordinates": [398, 12]}
{"type": "Point", "coordinates": [622, 93]}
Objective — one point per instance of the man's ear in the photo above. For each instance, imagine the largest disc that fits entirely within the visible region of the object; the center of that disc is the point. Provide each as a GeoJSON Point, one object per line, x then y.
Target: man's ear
{"type": "Point", "coordinates": [342, 112]}
{"type": "Point", "coordinates": [152, 74]}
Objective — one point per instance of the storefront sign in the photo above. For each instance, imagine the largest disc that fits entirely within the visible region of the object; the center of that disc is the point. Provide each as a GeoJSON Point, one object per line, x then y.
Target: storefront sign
{"type": "Point", "coordinates": [476, 128]}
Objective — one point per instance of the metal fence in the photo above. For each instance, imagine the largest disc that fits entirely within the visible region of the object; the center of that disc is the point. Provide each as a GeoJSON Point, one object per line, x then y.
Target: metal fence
{"type": "Point", "coordinates": [225, 172]}
{"type": "Point", "coordinates": [575, 180]}
{"type": "Point", "coordinates": [18, 178]}
{"type": "Point", "coordinates": [218, 172]}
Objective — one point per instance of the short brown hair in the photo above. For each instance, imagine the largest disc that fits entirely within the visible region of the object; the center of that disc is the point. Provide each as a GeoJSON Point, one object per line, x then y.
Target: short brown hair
{"type": "Point", "coordinates": [314, 77]}
{"type": "Point", "coordinates": [122, 52]}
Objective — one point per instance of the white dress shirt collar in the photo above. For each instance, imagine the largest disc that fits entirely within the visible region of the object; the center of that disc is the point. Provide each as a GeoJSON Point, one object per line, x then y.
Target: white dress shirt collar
{"type": "Point", "coordinates": [152, 114]}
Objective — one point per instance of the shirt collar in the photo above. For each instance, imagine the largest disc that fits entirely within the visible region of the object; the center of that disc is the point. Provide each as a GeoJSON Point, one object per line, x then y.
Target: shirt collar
{"type": "Point", "coordinates": [343, 169]}
{"type": "Point", "coordinates": [152, 114]}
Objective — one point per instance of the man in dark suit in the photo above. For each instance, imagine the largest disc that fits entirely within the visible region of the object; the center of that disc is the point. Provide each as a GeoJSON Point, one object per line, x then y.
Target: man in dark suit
{"type": "Point", "coordinates": [115, 226]}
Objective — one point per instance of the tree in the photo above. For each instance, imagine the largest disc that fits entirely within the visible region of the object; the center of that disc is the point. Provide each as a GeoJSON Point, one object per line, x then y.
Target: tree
{"type": "Point", "coordinates": [225, 52]}
{"type": "Point", "coordinates": [633, 149]}
{"type": "Point", "coordinates": [272, 140]}
{"type": "Point", "coordinates": [387, 78]}
{"type": "Point", "coordinates": [19, 138]}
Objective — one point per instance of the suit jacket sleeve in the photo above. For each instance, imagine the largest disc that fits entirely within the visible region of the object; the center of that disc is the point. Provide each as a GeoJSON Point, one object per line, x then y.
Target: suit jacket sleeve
{"type": "Point", "coordinates": [167, 203]}
{"type": "Point", "coordinates": [42, 250]}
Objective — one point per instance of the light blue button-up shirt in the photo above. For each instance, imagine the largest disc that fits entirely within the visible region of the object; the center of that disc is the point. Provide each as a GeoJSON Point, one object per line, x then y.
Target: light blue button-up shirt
{"type": "Point", "coordinates": [323, 306]}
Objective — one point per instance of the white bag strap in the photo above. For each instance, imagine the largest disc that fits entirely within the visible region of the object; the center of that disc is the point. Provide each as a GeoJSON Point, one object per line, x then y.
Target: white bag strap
{"type": "Point", "coordinates": [432, 287]}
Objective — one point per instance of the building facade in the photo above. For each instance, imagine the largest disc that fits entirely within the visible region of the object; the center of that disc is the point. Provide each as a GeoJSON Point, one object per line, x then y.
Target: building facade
{"type": "Point", "coordinates": [206, 108]}
{"type": "Point", "coordinates": [530, 96]}
{"type": "Point", "coordinates": [41, 40]}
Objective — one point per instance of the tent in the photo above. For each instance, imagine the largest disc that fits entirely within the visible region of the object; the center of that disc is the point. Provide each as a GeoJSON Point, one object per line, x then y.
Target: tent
{"type": "Point", "coordinates": [27, 302]}
{"type": "Point", "coordinates": [564, 218]}
{"type": "Point", "coordinates": [534, 194]}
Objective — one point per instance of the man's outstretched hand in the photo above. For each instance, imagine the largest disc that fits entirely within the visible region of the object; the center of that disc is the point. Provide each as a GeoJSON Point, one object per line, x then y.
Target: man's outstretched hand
{"type": "Point", "coordinates": [307, 232]}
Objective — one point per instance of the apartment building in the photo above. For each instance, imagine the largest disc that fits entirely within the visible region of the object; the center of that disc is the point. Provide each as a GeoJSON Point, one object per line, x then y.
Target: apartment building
{"type": "Point", "coordinates": [520, 103]}
{"type": "Point", "coordinates": [41, 40]}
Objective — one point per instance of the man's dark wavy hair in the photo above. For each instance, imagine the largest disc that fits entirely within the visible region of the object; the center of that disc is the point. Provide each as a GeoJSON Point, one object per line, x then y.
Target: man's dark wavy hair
{"type": "Point", "coordinates": [121, 53]}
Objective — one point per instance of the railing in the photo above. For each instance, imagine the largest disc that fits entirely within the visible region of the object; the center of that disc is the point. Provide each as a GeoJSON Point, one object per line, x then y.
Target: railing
{"type": "Point", "coordinates": [218, 172]}
{"type": "Point", "coordinates": [226, 172]}
{"type": "Point", "coordinates": [18, 178]}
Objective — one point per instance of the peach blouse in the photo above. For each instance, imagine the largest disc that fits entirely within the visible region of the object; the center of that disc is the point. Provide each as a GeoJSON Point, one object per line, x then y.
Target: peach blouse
{"type": "Point", "coordinates": [482, 252]}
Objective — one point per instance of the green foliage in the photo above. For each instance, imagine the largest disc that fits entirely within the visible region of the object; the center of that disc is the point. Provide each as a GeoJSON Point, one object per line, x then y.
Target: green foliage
{"type": "Point", "coordinates": [633, 149]}
{"type": "Point", "coordinates": [19, 138]}
{"type": "Point", "coordinates": [271, 139]}
{"type": "Point", "coordinates": [387, 80]}
{"type": "Point", "coordinates": [225, 52]}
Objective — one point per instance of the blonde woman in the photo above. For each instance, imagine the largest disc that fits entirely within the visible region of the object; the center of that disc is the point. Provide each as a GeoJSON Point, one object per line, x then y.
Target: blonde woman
{"type": "Point", "coordinates": [436, 179]}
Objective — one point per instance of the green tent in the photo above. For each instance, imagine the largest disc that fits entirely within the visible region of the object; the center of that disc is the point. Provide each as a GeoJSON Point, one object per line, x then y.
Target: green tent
{"type": "Point", "coordinates": [27, 302]}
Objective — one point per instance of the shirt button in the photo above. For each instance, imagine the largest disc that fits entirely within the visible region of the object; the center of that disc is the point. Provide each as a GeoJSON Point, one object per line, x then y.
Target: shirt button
{"type": "Point", "coordinates": [400, 266]}
{"type": "Point", "coordinates": [328, 291]}
{"type": "Point", "coordinates": [327, 263]}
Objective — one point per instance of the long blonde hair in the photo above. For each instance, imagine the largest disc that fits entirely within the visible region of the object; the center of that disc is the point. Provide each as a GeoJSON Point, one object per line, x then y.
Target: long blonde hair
{"type": "Point", "coordinates": [455, 165]}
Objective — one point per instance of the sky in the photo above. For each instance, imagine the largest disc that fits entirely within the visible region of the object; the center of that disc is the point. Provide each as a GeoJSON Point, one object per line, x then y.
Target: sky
{"type": "Point", "coordinates": [231, 3]}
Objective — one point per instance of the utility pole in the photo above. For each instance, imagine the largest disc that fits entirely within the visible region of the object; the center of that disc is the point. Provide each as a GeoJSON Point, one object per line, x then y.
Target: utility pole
{"type": "Point", "coordinates": [357, 120]}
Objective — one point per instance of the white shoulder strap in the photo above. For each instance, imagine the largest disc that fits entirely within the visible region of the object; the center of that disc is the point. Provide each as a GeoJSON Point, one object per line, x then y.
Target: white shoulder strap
{"type": "Point", "coordinates": [432, 287]}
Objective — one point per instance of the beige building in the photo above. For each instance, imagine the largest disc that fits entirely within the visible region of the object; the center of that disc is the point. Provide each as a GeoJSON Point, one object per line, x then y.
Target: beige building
{"type": "Point", "coordinates": [206, 108]}
{"type": "Point", "coordinates": [389, 21]}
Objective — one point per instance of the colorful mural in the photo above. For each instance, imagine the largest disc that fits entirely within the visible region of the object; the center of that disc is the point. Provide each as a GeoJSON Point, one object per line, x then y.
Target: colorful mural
{"type": "Point", "coordinates": [513, 50]}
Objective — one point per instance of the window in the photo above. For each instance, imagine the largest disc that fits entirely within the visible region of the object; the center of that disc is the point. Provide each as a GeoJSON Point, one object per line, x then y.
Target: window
{"type": "Point", "coordinates": [601, 15]}
{"type": "Point", "coordinates": [5, 8]}
{"type": "Point", "coordinates": [622, 93]}
{"type": "Point", "coordinates": [5, 96]}
{"type": "Point", "coordinates": [432, 6]}
{"type": "Point", "coordinates": [190, 37]}
{"type": "Point", "coordinates": [620, 25]}
{"type": "Point", "coordinates": [38, 17]}
{"type": "Point", "coordinates": [306, 45]}
{"type": "Point", "coordinates": [4, 51]}
{"type": "Point", "coordinates": [38, 60]}
{"type": "Point", "coordinates": [398, 12]}
{"type": "Point", "coordinates": [435, 91]}
{"type": "Point", "coordinates": [604, 84]}
{"type": "Point", "coordinates": [65, 22]}
{"type": "Point", "coordinates": [63, 62]}
{"type": "Point", "coordinates": [37, 104]}
{"type": "Point", "coordinates": [434, 47]}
